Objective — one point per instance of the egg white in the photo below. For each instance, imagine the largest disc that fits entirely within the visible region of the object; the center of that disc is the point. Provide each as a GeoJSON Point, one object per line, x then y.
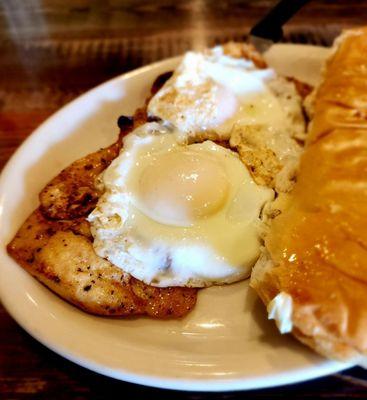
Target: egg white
{"type": "Point", "coordinates": [155, 230]}
{"type": "Point", "coordinates": [212, 95]}
{"type": "Point", "coordinates": [215, 249]}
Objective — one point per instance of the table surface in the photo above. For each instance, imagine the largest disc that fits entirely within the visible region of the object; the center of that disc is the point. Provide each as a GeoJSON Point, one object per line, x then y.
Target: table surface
{"type": "Point", "coordinates": [54, 51]}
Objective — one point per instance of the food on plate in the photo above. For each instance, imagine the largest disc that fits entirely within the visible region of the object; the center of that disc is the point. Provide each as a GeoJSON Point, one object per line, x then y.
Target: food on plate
{"type": "Point", "coordinates": [312, 274]}
{"type": "Point", "coordinates": [178, 202]}
{"type": "Point", "coordinates": [55, 245]}
{"type": "Point", "coordinates": [173, 214]}
{"type": "Point", "coordinates": [179, 209]}
{"type": "Point", "coordinates": [59, 253]}
{"type": "Point", "coordinates": [223, 95]}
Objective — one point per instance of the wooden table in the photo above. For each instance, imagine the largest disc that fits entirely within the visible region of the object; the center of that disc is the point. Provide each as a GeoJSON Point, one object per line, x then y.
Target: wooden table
{"type": "Point", "coordinates": [52, 53]}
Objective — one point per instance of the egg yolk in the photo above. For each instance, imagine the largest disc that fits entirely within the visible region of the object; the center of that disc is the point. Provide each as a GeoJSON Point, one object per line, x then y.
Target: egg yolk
{"type": "Point", "coordinates": [180, 187]}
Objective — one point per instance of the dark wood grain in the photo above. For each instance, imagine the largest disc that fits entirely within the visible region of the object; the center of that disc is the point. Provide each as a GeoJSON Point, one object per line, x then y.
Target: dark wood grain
{"type": "Point", "coordinates": [54, 50]}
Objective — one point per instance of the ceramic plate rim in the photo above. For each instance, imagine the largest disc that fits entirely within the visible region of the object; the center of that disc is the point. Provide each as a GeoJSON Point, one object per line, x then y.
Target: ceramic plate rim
{"type": "Point", "coordinates": [325, 367]}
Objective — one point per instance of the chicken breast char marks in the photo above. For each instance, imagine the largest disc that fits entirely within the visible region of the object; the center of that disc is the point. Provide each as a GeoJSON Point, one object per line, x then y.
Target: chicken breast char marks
{"type": "Point", "coordinates": [55, 245]}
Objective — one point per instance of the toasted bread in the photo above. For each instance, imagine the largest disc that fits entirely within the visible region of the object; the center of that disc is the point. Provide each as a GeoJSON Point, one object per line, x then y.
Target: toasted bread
{"type": "Point", "coordinates": [316, 249]}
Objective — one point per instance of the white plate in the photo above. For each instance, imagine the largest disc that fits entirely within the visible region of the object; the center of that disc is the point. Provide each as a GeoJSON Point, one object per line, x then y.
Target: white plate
{"type": "Point", "coordinates": [226, 343]}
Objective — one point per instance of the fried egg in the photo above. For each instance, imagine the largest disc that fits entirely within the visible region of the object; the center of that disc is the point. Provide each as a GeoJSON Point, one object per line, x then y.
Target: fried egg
{"type": "Point", "coordinates": [212, 95]}
{"type": "Point", "coordinates": [178, 214]}
{"type": "Point", "coordinates": [180, 210]}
